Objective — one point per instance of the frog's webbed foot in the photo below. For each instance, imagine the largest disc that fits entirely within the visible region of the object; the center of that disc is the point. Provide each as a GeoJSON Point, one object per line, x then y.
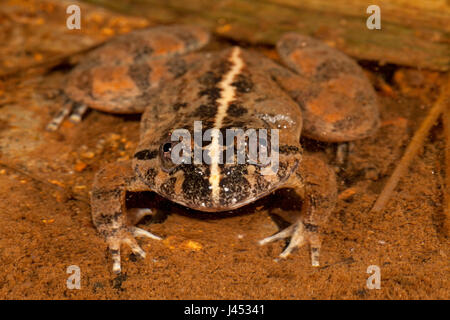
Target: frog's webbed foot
{"type": "Point", "coordinates": [300, 234]}
{"type": "Point", "coordinates": [127, 236]}
{"type": "Point", "coordinates": [71, 109]}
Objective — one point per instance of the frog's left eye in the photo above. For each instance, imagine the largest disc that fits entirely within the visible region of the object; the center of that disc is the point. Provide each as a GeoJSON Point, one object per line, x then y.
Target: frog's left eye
{"type": "Point", "coordinates": [167, 147]}
{"type": "Point", "coordinates": [165, 153]}
{"type": "Point", "coordinates": [166, 156]}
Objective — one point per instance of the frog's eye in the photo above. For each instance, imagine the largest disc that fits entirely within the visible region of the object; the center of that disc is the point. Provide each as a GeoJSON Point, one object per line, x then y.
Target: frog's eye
{"type": "Point", "coordinates": [167, 148]}
{"type": "Point", "coordinates": [166, 156]}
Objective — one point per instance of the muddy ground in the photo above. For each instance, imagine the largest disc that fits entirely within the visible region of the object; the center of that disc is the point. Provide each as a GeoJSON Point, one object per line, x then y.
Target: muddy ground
{"type": "Point", "coordinates": [45, 180]}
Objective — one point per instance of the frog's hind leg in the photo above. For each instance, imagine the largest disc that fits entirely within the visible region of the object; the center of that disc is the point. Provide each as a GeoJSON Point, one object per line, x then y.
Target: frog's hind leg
{"type": "Point", "coordinates": [77, 113]}
{"type": "Point", "coordinates": [316, 181]}
{"type": "Point", "coordinates": [338, 101]}
{"type": "Point", "coordinates": [122, 75]}
{"type": "Point", "coordinates": [71, 109]}
{"type": "Point", "coordinates": [63, 112]}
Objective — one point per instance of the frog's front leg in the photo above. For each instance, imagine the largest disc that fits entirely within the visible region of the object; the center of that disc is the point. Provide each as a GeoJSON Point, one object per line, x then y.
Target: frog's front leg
{"type": "Point", "coordinates": [315, 182]}
{"type": "Point", "coordinates": [109, 213]}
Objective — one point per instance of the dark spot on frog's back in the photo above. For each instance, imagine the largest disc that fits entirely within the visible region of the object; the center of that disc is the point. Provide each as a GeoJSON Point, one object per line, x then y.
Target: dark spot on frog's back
{"type": "Point", "coordinates": [236, 110]}
{"type": "Point", "coordinates": [221, 66]}
{"type": "Point", "coordinates": [177, 66]}
{"type": "Point", "coordinates": [140, 75]}
{"type": "Point", "coordinates": [189, 39]}
{"type": "Point", "coordinates": [209, 79]}
{"type": "Point", "coordinates": [146, 154]}
{"type": "Point", "coordinates": [231, 122]}
{"type": "Point", "coordinates": [177, 106]}
{"type": "Point", "coordinates": [143, 53]}
{"type": "Point", "coordinates": [207, 124]}
{"type": "Point", "coordinates": [205, 111]}
{"type": "Point", "coordinates": [243, 84]}
{"type": "Point", "coordinates": [212, 93]}
{"type": "Point", "coordinates": [332, 69]}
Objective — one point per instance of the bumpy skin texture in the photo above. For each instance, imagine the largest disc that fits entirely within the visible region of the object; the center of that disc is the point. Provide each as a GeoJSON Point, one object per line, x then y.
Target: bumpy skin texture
{"type": "Point", "coordinates": [233, 88]}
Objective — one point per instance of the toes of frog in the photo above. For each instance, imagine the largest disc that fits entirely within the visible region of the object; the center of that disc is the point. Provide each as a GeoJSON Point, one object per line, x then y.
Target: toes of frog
{"type": "Point", "coordinates": [127, 237]}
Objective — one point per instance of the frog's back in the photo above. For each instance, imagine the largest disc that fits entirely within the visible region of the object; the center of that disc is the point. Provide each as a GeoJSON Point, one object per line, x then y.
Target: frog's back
{"type": "Point", "coordinates": [251, 101]}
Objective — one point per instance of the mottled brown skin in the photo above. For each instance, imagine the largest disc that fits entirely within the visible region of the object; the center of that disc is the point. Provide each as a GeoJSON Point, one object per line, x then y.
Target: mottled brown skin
{"type": "Point", "coordinates": [121, 75]}
{"type": "Point", "coordinates": [336, 98]}
{"type": "Point", "coordinates": [233, 88]}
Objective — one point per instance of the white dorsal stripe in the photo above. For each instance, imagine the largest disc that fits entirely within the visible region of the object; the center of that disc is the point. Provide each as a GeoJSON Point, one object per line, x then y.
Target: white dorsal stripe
{"type": "Point", "coordinates": [227, 95]}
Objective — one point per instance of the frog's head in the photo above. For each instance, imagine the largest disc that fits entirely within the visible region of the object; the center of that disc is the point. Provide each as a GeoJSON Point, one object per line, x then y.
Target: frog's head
{"type": "Point", "coordinates": [202, 176]}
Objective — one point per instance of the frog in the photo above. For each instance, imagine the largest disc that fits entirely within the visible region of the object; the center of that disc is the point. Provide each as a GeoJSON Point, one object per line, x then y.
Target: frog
{"type": "Point", "coordinates": [164, 73]}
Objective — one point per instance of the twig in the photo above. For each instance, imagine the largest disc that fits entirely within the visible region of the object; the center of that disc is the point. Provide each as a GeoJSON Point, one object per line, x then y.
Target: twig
{"type": "Point", "coordinates": [414, 146]}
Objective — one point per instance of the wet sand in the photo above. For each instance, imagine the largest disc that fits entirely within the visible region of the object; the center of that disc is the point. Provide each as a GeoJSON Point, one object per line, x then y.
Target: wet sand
{"type": "Point", "coordinates": [45, 222]}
